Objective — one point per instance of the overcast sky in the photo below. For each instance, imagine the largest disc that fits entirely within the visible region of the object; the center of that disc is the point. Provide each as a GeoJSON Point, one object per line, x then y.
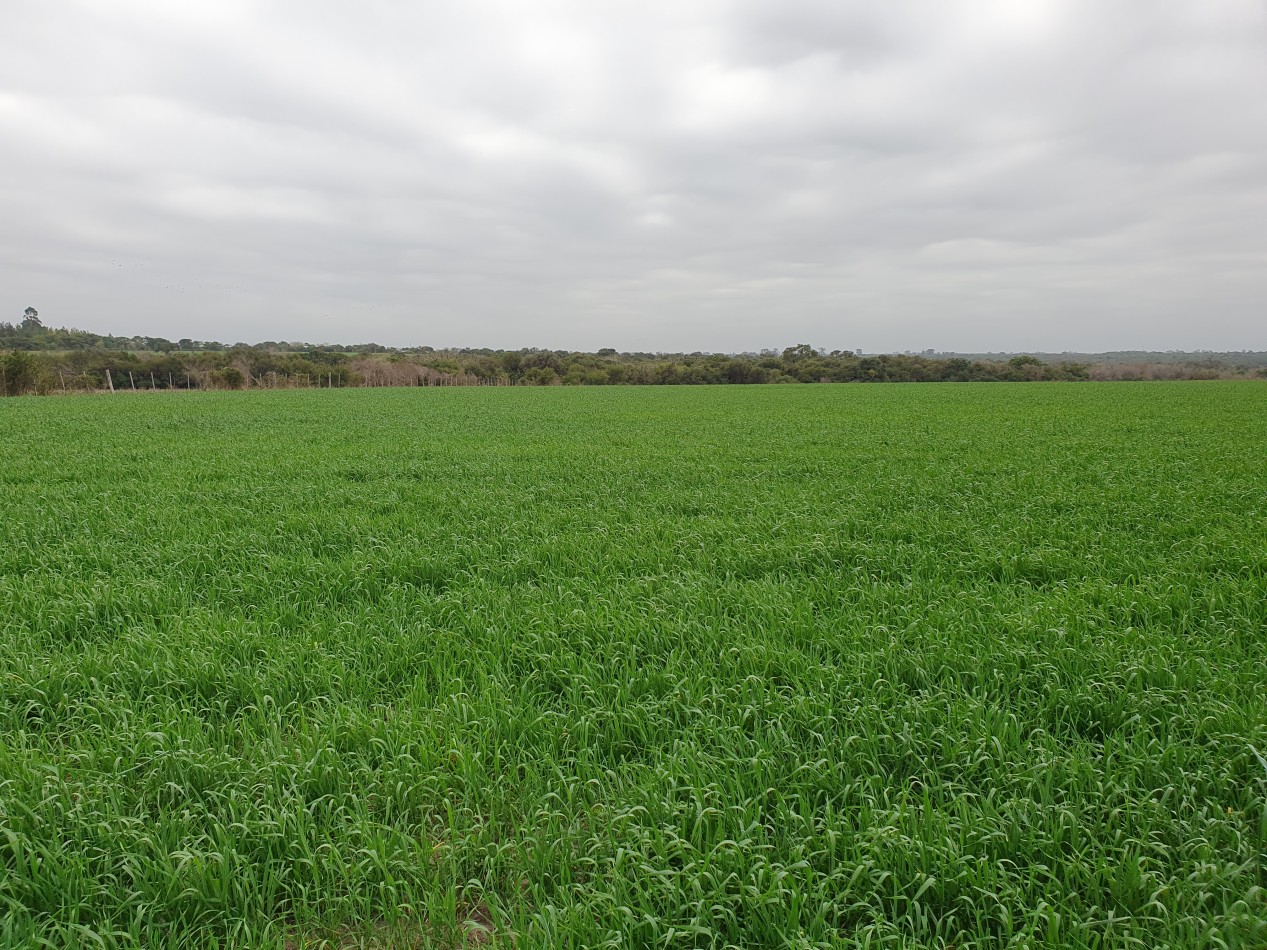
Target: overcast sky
{"type": "Point", "coordinates": [693, 174]}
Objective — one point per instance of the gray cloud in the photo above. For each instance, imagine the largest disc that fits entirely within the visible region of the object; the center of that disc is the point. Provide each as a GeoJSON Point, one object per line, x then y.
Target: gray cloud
{"type": "Point", "coordinates": [984, 174]}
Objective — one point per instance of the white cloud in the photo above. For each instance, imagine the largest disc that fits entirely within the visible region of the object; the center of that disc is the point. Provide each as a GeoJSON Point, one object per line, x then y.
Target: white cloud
{"type": "Point", "coordinates": [979, 174]}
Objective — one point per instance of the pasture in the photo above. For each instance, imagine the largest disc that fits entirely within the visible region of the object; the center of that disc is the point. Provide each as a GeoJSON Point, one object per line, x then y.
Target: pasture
{"type": "Point", "coordinates": [787, 666]}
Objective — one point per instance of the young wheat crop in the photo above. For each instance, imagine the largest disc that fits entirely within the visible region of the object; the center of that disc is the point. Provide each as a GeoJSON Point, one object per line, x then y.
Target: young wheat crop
{"type": "Point", "coordinates": [820, 666]}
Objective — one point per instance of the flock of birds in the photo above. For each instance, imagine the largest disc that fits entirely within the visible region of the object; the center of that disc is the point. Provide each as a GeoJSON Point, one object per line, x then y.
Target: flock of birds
{"type": "Point", "coordinates": [177, 285]}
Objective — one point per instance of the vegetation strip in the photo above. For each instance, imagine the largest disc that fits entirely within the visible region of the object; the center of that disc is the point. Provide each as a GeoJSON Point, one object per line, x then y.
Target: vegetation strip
{"type": "Point", "coordinates": [47, 360]}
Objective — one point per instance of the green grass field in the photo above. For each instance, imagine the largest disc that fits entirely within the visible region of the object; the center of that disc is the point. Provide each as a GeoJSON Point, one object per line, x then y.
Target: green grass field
{"type": "Point", "coordinates": [805, 666]}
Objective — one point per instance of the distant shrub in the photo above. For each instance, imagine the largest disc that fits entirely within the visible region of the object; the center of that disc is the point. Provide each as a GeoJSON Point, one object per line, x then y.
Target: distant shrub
{"type": "Point", "coordinates": [230, 378]}
{"type": "Point", "coordinates": [19, 373]}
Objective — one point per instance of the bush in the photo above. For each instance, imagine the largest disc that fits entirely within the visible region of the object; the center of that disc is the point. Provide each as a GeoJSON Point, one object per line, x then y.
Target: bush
{"type": "Point", "coordinates": [20, 372]}
{"type": "Point", "coordinates": [230, 378]}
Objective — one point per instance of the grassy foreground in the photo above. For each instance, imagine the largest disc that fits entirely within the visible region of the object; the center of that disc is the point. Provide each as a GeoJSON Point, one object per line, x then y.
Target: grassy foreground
{"type": "Point", "coordinates": [918, 666]}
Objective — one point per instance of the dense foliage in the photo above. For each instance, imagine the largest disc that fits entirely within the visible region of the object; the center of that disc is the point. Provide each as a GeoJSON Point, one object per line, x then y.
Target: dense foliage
{"type": "Point", "coordinates": [44, 360]}
{"type": "Point", "coordinates": [255, 367]}
{"type": "Point", "coordinates": [919, 666]}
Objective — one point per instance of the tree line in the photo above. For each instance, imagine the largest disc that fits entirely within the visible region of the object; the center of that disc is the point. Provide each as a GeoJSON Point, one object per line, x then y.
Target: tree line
{"type": "Point", "coordinates": [37, 359]}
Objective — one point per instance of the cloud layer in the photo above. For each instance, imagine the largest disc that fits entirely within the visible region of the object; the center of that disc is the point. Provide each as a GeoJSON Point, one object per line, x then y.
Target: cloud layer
{"type": "Point", "coordinates": [986, 174]}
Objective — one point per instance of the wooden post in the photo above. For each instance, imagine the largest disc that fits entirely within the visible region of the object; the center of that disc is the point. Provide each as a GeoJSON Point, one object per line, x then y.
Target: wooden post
{"type": "Point", "coordinates": [109, 381]}
{"type": "Point", "coordinates": [153, 385]}
{"type": "Point", "coordinates": [63, 379]}
{"type": "Point", "coordinates": [132, 381]}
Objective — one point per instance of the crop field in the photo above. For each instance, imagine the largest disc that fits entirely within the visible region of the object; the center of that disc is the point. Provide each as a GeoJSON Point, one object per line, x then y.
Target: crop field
{"type": "Point", "coordinates": [939, 666]}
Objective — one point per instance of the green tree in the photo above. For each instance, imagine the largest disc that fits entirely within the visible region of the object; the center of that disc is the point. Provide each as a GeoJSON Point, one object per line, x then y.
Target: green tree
{"type": "Point", "coordinates": [19, 373]}
{"type": "Point", "coordinates": [541, 376]}
{"type": "Point", "coordinates": [794, 354]}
